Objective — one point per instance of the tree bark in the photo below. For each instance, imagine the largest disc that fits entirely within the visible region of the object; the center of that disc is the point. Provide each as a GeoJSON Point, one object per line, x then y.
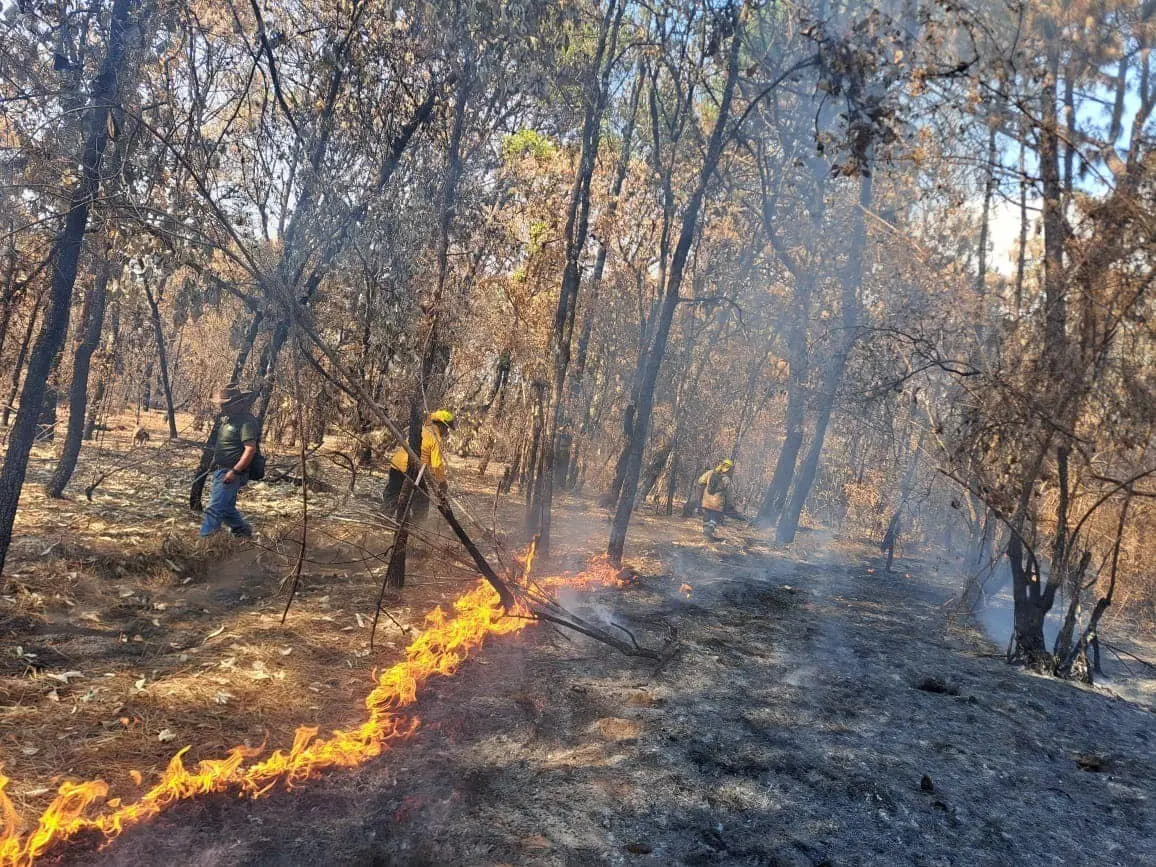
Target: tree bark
{"type": "Point", "coordinates": [1055, 311]}
{"type": "Point", "coordinates": [1022, 253]}
{"type": "Point", "coordinates": [162, 356]}
{"type": "Point", "coordinates": [395, 572]}
{"type": "Point", "coordinates": [8, 300]}
{"type": "Point", "coordinates": [985, 218]}
{"type": "Point", "coordinates": [66, 258]}
{"type": "Point", "coordinates": [780, 486]}
{"type": "Point", "coordinates": [78, 391]}
{"type": "Point", "coordinates": [577, 230]}
{"type": "Point", "coordinates": [852, 278]}
{"type": "Point", "coordinates": [18, 367]}
{"type": "Point", "coordinates": [674, 279]}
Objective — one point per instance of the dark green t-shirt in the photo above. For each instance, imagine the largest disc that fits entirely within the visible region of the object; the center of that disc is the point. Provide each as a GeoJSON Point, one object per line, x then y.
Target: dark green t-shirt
{"type": "Point", "coordinates": [235, 432]}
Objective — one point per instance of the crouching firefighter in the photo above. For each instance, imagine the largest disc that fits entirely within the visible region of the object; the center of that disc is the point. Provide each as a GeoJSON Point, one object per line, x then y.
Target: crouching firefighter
{"type": "Point", "coordinates": [433, 434]}
{"type": "Point", "coordinates": [715, 497]}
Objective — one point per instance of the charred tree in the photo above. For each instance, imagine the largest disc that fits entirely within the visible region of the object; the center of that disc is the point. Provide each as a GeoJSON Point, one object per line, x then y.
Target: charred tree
{"type": "Point", "coordinates": [66, 258]}
{"type": "Point", "coordinates": [93, 319]}
{"type": "Point", "coordinates": [10, 297]}
{"type": "Point", "coordinates": [435, 356]}
{"type": "Point", "coordinates": [577, 229]}
{"type": "Point", "coordinates": [833, 377]}
{"type": "Point", "coordinates": [154, 299]}
{"type": "Point", "coordinates": [18, 367]}
{"type": "Point", "coordinates": [578, 398]}
{"type": "Point", "coordinates": [673, 285]}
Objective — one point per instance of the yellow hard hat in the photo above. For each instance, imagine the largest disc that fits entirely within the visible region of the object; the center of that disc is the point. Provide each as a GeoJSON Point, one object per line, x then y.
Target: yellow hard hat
{"type": "Point", "coordinates": [725, 465]}
{"type": "Point", "coordinates": [444, 416]}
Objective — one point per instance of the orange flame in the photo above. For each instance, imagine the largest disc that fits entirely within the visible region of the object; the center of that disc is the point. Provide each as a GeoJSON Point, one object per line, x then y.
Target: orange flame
{"type": "Point", "coordinates": [439, 650]}
{"type": "Point", "coordinates": [527, 560]}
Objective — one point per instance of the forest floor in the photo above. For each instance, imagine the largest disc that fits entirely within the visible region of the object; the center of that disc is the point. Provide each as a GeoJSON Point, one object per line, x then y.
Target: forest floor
{"type": "Point", "coordinates": [817, 711]}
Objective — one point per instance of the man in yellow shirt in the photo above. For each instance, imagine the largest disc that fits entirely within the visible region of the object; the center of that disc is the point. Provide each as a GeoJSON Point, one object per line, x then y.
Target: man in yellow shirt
{"type": "Point", "coordinates": [433, 434]}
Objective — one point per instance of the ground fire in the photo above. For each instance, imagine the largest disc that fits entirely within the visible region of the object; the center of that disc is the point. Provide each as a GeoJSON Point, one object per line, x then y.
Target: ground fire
{"type": "Point", "coordinates": [439, 650]}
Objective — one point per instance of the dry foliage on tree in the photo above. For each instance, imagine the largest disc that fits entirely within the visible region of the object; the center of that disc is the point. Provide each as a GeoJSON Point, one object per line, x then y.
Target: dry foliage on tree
{"type": "Point", "coordinates": [894, 259]}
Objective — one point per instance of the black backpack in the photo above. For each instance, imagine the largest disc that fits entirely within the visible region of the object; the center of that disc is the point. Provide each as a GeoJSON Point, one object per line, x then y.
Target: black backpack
{"type": "Point", "coordinates": [257, 467]}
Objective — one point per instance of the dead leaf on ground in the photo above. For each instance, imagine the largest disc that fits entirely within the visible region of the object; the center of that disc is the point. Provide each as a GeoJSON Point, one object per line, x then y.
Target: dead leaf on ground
{"type": "Point", "coordinates": [65, 676]}
{"type": "Point", "coordinates": [616, 729]}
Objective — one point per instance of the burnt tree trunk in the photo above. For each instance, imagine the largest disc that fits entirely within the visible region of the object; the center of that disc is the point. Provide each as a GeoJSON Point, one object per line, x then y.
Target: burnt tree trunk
{"type": "Point", "coordinates": [162, 355]}
{"type": "Point", "coordinates": [66, 259]}
{"type": "Point", "coordinates": [1028, 643]}
{"type": "Point", "coordinates": [985, 214]}
{"type": "Point", "coordinates": [578, 396]}
{"type": "Point", "coordinates": [577, 230]}
{"type": "Point", "coordinates": [891, 536]}
{"type": "Point", "coordinates": [654, 469]}
{"type": "Point", "coordinates": [674, 278]}
{"type": "Point", "coordinates": [434, 355]}
{"type": "Point", "coordinates": [776, 496]}
{"type": "Point", "coordinates": [78, 392]}
{"type": "Point", "coordinates": [833, 378]}
{"type": "Point", "coordinates": [18, 367]}
{"type": "Point", "coordinates": [804, 274]}
{"type": "Point", "coordinates": [108, 369]}
{"type": "Point", "coordinates": [9, 298]}
{"type": "Point", "coordinates": [495, 408]}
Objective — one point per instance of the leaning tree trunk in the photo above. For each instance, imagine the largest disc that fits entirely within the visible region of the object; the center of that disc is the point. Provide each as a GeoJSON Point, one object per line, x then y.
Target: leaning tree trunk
{"type": "Point", "coordinates": [162, 357]}
{"type": "Point", "coordinates": [789, 520]}
{"type": "Point", "coordinates": [625, 508]}
{"type": "Point", "coordinates": [66, 259]}
{"type": "Point", "coordinates": [776, 496]}
{"type": "Point", "coordinates": [78, 392]}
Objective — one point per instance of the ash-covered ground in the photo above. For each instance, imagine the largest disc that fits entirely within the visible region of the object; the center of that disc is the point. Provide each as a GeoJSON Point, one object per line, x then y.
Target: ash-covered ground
{"type": "Point", "coordinates": [815, 713]}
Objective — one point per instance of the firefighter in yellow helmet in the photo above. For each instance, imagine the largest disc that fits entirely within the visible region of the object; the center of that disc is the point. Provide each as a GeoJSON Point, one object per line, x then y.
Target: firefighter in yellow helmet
{"type": "Point", "coordinates": [715, 497]}
{"type": "Point", "coordinates": [433, 434]}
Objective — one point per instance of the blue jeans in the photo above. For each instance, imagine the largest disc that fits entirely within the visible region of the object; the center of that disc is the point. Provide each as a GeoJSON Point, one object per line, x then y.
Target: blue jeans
{"type": "Point", "coordinates": [222, 508]}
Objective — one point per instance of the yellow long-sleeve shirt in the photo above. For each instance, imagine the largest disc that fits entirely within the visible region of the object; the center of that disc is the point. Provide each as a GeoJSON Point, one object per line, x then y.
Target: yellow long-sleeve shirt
{"type": "Point", "coordinates": [431, 455]}
{"type": "Point", "coordinates": [719, 500]}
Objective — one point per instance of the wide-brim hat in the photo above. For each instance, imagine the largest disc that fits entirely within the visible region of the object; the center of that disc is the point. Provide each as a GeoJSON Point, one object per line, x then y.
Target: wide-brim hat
{"type": "Point", "coordinates": [231, 395]}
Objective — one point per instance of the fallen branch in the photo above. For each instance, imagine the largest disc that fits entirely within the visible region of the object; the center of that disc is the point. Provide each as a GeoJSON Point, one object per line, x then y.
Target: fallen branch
{"type": "Point", "coordinates": [1119, 650]}
{"type": "Point", "coordinates": [542, 611]}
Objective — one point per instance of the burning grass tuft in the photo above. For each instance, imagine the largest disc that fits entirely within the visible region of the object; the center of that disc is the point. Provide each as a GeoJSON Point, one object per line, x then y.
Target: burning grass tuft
{"type": "Point", "coordinates": [444, 644]}
{"type": "Point", "coordinates": [438, 650]}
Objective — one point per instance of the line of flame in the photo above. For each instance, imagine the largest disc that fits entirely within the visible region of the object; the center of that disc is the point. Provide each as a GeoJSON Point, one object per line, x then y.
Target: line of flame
{"type": "Point", "coordinates": [439, 650]}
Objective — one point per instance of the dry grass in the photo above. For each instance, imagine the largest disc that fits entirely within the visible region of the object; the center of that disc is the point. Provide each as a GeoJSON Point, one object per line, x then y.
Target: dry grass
{"type": "Point", "coordinates": [127, 638]}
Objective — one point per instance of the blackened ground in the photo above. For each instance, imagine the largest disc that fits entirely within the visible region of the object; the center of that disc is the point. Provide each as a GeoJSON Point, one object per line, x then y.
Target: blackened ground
{"type": "Point", "coordinates": [816, 713]}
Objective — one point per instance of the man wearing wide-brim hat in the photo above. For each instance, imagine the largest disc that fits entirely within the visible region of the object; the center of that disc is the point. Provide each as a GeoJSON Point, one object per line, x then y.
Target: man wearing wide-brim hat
{"type": "Point", "coordinates": [236, 449]}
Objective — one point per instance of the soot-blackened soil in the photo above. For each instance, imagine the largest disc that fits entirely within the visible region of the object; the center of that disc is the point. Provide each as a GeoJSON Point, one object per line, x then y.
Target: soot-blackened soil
{"type": "Point", "coordinates": [818, 711]}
